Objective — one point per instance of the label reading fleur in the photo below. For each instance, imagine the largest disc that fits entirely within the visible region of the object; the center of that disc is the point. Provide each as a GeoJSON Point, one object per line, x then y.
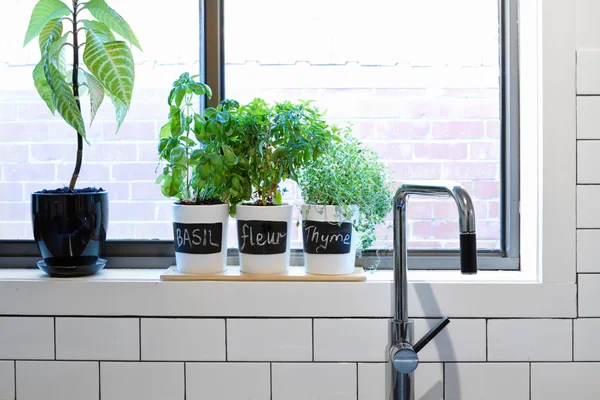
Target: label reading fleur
{"type": "Point", "coordinates": [262, 237]}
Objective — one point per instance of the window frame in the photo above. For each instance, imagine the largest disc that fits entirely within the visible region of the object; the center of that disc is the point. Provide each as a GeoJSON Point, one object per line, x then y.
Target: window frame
{"type": "Point", "coordinates": [159, 253]}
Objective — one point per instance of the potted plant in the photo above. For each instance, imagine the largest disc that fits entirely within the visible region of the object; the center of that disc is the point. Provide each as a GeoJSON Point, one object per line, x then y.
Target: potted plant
{"type": "Point", "coordinates": [346, 195]}
{"type": "Point", "coordinates": [281, 139]}
{"type": "Point", "coordinates": [206, 171]}
{"type": "Point", "coordinates": [69, 224]}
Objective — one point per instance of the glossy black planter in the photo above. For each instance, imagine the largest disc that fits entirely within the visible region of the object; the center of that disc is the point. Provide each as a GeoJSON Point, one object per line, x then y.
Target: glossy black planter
{"type": "Point", "coordinates": [70, 231]}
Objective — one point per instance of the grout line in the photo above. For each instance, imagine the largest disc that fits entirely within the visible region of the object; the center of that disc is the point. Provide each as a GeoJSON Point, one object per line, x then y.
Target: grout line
{"type": "Point", "coordinates": [529, 381]}
{"type": "Point", "coordinates": [357, 382]}
{"type": "Point", "coordinates": [313, 339]}
{"type": "Point", "coordinates": [184, 380]}
{"type": "Point", "coordinates": [99, 381]}
{"type": "Point", "coordinates": [226, 347]}
{"type": "Point", "coordinates": [54, 338]}
{"type": "Point", "coordinates": [487, 340]}
{"type": "Point", "coordinates": [15, 377]}
{"type": "Point", "coordinates": [443, 381]}
{"type": "Point", "coordinates": [573, 340]}
{"type": "Point", "coordinates": [271, 379]}
{"type": "Point", "coordinates": [140, 337]}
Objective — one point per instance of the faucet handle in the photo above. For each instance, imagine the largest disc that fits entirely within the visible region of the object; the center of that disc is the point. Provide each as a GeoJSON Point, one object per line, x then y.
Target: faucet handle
{"type": "Point", "coordinates": [431, 334]}
{"type": "Point", "coordinates": [404, 358]}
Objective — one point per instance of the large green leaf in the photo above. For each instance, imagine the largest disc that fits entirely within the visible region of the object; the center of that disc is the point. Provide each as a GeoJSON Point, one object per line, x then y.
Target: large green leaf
{"type": "Point", "coordinates": [63, 98]}
{"type": "Point", "coordinates": [96, 94]}
{"type": "Point", "coordinates": [42, 86]}
{"type": "Point", "coordinates": [120, 110]}
{"type": "Point", "coordinates": [112, 63]}
{"type": "Point", "coordinates": [100, 31]}
{"type": "Point", "coordinates": [55, 52]}
{"type": "Point", "coordinates": [105, 14]}
{"type": "Point", "coordinates": [44, 12]}
{"type": "Point", "coordinates": [53, 29]}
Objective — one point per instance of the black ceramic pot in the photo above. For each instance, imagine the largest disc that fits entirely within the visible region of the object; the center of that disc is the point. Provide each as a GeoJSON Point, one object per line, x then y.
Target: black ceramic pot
{"type": "Point", "coordinates": [70, 231]}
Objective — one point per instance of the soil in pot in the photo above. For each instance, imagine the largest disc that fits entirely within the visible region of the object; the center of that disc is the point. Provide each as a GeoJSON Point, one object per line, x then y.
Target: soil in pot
{"type": "Point", "coordinates": [69, 228]}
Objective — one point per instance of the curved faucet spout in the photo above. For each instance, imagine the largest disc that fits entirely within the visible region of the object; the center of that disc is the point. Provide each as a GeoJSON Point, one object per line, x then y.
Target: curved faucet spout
{"type": "Point", "coordinates": [466, 211]}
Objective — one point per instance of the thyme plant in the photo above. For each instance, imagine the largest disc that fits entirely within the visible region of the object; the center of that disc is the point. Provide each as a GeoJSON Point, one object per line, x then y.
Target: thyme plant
{"type": "Point", "coordinates": [110, 69]}
{"type": "Point", "coordinates": [204, 154]}
{"type": "Point", "coordinates": [348, 174]}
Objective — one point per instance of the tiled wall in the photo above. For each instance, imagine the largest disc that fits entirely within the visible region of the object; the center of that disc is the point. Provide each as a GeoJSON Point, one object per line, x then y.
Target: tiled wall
{"type": "Point", "coordinates": [289, 359]}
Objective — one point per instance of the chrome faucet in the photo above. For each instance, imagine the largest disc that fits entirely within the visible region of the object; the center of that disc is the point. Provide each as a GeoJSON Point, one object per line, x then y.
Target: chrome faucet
{"type": "Point", "coordinates": [403, 358]}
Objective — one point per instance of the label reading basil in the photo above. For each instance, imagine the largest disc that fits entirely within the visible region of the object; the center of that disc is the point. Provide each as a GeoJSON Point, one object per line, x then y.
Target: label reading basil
{"type": "Point", "coordinates": [198, 238]}
{"type": "Point", "coordinates": [262, 237]}
{"type": "Point", "coordinates": [326, 237]}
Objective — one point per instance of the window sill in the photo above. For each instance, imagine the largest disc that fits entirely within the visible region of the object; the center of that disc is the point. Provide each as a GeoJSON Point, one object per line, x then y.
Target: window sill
{"type": "Point", "coordinates": [140, 292]}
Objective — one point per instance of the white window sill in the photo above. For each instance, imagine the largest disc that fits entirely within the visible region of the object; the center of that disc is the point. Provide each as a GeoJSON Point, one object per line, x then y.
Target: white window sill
{"type": "Point", "coordinates": [140, 292]}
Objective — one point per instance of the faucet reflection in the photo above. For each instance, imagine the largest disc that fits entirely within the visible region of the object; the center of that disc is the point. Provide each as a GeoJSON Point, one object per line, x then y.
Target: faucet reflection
{"type": "Point", "coordinates": [403, 359]}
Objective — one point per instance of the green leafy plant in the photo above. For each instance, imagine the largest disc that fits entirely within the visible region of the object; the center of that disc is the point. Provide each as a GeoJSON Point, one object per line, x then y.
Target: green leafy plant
{"type": "Point", "coordinates": [346, 175]}
{"type": "Point", "coordinates": [109, 62]}
{"type": "Point", "coordinates": [204, 155]}
{"type": "Point", "coordinates": [281, 139]}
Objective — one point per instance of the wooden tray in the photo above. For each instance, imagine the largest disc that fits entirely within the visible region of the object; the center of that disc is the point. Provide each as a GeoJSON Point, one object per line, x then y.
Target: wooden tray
{"type": "Point", "coordinates": [295, 274]}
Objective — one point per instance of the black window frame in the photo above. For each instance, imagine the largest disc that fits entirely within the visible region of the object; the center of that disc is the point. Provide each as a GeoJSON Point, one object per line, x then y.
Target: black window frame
{"type": "Point", "coordinates": [160, 253]}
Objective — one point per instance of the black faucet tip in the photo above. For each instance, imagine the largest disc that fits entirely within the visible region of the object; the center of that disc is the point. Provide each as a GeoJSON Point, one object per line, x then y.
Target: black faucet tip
{"type": "Point", "coordinates": [468, 253]}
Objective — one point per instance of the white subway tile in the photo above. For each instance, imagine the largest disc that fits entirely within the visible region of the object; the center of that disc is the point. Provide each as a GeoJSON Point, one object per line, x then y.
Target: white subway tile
{"type": "Point", "coordinates": [269, 340]}
{"type": "Point", "coordinates": [428, 379]}
{"type": "Point", "coordinates": [141, 381]}
{"type": "Point", "coordinates": [588, 291]}
{"type": "Point", "coordinates": [489, 381]}
{"type": "Point", "coordinates": [226, 381]}
{"type": "Point", "coordinates": [57, 380]}
{"type": "Point", "coordinates": [588, 212]}
{"type": "Point", "coordinates": [530, 340]}
{"type": "Point", "coordinates": [588, 79]}
{"type": "Point", "coordinates": [175, 339]}
{"type": "Point", "coordinates": [587, 345]}
{"type": "Point", "coordinates": [461, 340]}
{"type": "Point", "coordinates": [314, 381]}
{"type": "Point", "coordinates": [588, 162]}
{"type": "Point", "coordinates": [588, 118]}
{"type": "Point", "coordinates": [24, 338]}
{"type": "Point", "coordinates": [577, 381]}
{"type": "Point", "coordinates": [7, 380]}
{"type": "Point", "coordinates": [588, 251]}
{"type": "Point", "coordinates": [97, 339]}
{"type": "Point", "coordinates": [351, 339]}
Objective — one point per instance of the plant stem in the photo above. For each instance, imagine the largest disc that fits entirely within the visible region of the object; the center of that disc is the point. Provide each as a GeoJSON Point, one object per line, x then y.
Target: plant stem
{"type": "Point", "coordinates": [76, 95]}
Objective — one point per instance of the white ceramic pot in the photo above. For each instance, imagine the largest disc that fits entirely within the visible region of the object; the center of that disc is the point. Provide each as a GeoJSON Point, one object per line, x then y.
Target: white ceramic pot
{"type": "Point", "coordinates": [200, 235]}
{"type": "Point", "coordinates": [264, 234]}
{"type": "Point", "coordinates": [329, 249]}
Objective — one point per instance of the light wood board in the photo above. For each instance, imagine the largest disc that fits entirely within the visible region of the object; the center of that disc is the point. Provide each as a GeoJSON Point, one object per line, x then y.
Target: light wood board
{"type": "Point", "coordinates": [295, 274]}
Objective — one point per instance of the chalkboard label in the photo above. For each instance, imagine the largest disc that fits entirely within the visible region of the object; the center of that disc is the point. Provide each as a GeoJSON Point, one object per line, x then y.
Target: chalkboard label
{"type": "Point", "coordinates": [198, 238]}
{"type": "Point", "coordinates": [262, 237]}
{"type": "Point", "coordinates": [326, 237]}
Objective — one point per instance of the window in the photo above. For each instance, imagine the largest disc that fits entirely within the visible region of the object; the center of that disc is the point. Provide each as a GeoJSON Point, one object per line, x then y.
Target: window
{"type": "Point", "coordinates": [434, 93]}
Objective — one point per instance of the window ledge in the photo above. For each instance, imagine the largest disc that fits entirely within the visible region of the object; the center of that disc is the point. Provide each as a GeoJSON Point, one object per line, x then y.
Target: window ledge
{"type": "Point", "coordinates": [140, 292]}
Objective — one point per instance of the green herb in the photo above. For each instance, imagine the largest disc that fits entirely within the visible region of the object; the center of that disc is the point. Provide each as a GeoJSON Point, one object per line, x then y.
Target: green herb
{"type": "Point", "coordinates": [204, 154]}
{"type": "Point", "coordinates": [109, 62]}
{"type": "Point", "coordinates": [281, 139]}
{"type": "Point", "coordinates": [347, 174]}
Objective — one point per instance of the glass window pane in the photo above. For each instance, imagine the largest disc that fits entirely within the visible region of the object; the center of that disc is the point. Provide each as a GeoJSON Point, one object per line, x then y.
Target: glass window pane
{"type": "Point", "coordinates": [418, 80]}
{"type": "Point", "coordinates": [37, 150]}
